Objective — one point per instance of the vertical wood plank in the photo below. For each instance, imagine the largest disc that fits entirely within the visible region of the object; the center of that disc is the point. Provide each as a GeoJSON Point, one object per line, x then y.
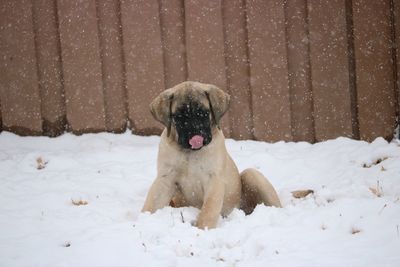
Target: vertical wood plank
{"type": "Point", "coordinates": [330, 69]}
{"type": "Point", "coordinates": [81, 65]}
{"type": "Point", "coordinates": [112, 64]}
{"type": "Point", "coordinates": [172, 18]}
{"type": "Point", "coordinates": [1, 119]}
{"type": "Point", "coordinates": [144, 61]}
{"type": "Point", "coordinates": [396, 33]}
{"type": "Point", "coordinates": [19, 91]}
{"type": "Point", "coordinates": [205, 46]}
{"type": "Point", "coordinates": [48, 54]}
{"type": "Point", "coordinates": [268, 70]}
{"type": "Point", "coordinates": [374, 68]}
{"type": "Point", "coordinates": [299, 71]}
{"type": "Point", "coordinates": [237, 68]}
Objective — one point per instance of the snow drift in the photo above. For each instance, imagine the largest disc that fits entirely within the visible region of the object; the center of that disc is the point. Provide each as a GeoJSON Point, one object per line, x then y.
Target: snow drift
{"type": "Point", "coordinates": [76, 200]}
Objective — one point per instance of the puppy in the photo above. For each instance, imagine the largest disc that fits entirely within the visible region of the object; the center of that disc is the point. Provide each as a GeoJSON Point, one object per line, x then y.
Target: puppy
{"type": "Point", "coordinates": [193, 165]}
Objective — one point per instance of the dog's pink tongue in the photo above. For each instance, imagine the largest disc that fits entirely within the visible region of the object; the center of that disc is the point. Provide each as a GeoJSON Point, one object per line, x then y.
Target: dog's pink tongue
{"type": "Point", "coordinates": [196, 141]}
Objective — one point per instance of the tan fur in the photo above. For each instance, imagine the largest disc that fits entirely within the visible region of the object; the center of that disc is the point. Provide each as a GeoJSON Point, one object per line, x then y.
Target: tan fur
{"type": "Point", "coordinates": [208, 178]}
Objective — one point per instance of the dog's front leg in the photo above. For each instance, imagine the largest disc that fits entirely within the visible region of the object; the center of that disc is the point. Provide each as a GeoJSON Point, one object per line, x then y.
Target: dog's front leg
{"type": "Point", "coordinates": [212, 205]}
{"type": "Point", "coordinates": [160, 194]}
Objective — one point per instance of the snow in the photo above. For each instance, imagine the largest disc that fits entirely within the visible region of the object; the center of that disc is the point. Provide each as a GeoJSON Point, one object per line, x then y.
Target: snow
{"type": "Point", "coordinates": [344, 223]}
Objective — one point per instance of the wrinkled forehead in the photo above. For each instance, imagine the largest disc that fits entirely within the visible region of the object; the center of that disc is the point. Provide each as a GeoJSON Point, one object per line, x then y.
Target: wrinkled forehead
{"type": "Point", "coordinates": [189, 97]}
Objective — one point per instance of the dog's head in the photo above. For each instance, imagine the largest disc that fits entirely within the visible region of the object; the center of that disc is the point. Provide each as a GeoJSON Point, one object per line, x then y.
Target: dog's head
{"type": "Point", "coordinates": [191, 110]}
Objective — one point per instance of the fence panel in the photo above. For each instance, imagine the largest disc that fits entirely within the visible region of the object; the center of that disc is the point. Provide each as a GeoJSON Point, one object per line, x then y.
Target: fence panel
{"type": "Point", "coordinates": [205, 46]}
{"type": "Point", "coordinates": [396, 41]}
{"type": "Point", "coordinates": [300, 70]}
{"type": "Point", "coordinates": [298, 57]}
{"type": "Point", "coordinates": [48, 54]}
{"type": "Point", "coordinates": [144, 61]}
{"type": "Point", "coordinates": [114, 90]}
{"type": "Point", "coordinates": [237, 68]}
{"type": "Point", "coordinates": [374, 69]}
{"type": "Point", "coordinates": [329, 57]}
{"type": "Point", "coordinates": [81, 65]}
{"type": "Point", "coordinates": [172, 16]}
{"type": "Point", "coordinates": [268, 70]}
{"type": "Point", "coordinates": [1, 119]}
{"type": "Point", "coordinates": [19, 91]}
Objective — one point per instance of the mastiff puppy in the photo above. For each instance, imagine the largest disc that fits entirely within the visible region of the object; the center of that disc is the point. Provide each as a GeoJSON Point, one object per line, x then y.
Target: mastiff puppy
{"type": "Point", "coordinates": [193, 166]}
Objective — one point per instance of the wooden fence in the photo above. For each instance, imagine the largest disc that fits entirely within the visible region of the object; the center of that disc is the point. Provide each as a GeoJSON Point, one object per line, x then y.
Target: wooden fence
{"type": "Point", "coordinates": [296, 70]}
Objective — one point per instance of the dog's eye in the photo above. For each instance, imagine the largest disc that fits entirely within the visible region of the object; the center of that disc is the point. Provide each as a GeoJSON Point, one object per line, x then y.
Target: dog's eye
{"type": "Point", "coordinates": [178, 116]}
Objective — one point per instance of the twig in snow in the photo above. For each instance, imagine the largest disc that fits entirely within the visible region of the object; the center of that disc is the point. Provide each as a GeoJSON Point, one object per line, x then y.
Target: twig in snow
{"type": "Point", "coordinates": [384, 206]}
{"type": "Point", "coordinates": [377, 191]}
{"type": "Point", "coordinates": [183, 219]}
{"type": "Point", "coordinates": [355, 231]}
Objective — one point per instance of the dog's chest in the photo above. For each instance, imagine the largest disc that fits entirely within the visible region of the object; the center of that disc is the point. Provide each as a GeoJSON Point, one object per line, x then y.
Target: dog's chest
{"type": "Point", "coordinates": [194, 179]}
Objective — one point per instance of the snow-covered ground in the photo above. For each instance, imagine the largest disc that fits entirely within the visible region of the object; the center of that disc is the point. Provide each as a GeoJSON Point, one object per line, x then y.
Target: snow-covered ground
{"type": "Point", "coordinates": [75, 201]}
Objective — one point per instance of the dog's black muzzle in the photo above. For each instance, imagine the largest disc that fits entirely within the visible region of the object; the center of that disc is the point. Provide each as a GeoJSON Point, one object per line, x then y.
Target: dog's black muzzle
{"type": "Point", "coordinates": [191, 121]}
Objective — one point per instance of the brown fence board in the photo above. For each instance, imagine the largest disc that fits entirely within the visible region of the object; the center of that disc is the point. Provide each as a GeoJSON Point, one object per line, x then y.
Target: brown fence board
{"type": "Point", "coordinates": [299, 71]}
{"type": "Point", "coordinates": [19, 91]}
{"type": "Point", "coordinates": [374, 69]}
{"type": "Point", "coordinates": [330, 69]}
{"type": "Point", "coordinates": [172, 17]}
{"type": "Point", "coordinates": [144, 61]}
{"type": "Point", "coordinates": [49, 67]}
{"type": "Point", "coordinates": [81, 65]}
{"type": "Point", "coordinates": [396, 33]}
{"type": "Point", "coordinates": [205, 46]}
{"type": "Point", "coordinates": [268, 68]}
{"type": "Point", "coordinates": [1, 119]}
{"type": "Point", "coordinates": [237, 68]}
{"type": "Point", "coordinates": [112, 65]}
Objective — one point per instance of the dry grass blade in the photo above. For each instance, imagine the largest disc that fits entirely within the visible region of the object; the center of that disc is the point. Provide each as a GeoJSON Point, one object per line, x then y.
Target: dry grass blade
{"type": "Point", "coordinates": [376, 162]}
{"type": "Point", "coordinates": [40, 163]}
{"type": "Point", "coordinates": [384, 206]}
{"type": "Point", "coordinates": [79, 202]}
{"type": "Point", "coordinates": [302, 193]}
{"type": "Point", "coordinates": [374, 191]}
{"type": "Point", "coordinates": [377, 191]}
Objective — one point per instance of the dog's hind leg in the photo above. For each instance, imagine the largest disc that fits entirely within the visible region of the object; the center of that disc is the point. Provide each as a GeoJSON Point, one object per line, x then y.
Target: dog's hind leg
{"type": "Point", "coordinates": [256, 189]}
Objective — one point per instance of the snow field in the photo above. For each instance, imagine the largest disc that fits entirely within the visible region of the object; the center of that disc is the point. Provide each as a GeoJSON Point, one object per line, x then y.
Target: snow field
{"type": "Point", "coordinates": [76, 200]}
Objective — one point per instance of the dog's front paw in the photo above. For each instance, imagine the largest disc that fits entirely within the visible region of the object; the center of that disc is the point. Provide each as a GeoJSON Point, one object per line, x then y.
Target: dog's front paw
{"type": "Point", "coordinates": [205, 224]}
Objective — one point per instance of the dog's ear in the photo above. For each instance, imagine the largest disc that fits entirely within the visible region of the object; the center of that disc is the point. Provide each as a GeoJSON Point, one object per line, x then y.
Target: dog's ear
{"type": "Point", "coordinates": [160, 108]}
{"type": "Point", "coordinates": [219, 103]}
